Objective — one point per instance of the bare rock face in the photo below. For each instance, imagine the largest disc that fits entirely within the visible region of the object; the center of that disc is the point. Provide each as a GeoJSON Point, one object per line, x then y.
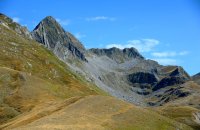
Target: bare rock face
{"type": "Point", "coordinates": [143, 78]}
{"type": "Point", "coordinates": [49, 33]}
{"type": "Point", "coordinates": [168, 81]}
{"type": "Point", "coordinates": [176, 75]}
{"type": "Point", "coordinates": [10, 24]}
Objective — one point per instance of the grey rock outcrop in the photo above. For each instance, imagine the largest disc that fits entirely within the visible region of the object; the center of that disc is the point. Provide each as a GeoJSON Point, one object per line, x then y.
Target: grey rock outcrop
{"type": "Point", "coordinates": [142, 78]}
{"type": "Point", "coordinates": [169, 81]}
{"type": "Point", "coordinates": [49, 33]}
{"type": "Point", "coordinates": [10, 24]}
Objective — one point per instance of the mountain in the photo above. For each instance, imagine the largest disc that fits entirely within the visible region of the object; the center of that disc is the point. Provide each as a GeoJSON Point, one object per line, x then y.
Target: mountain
{"type": "Point", "coordinates": [110, 69]}
{"type": "Point", "coordinates": [127, 75]}
{"type": "Point", "coordinates": [53, 36]}
{"type": "Point", "coordinates": [45, 84]}
{"type": "Point", "coordinates": [117, 54]}
{"type": "Point", "coordinates": [196, 78]}
{"type": "Point", "coordinates": [140, 78]}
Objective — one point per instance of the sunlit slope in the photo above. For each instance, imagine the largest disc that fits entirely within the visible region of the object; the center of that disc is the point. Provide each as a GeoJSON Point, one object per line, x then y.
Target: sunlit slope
{"type": "Point", "coordinates": [94, 112]}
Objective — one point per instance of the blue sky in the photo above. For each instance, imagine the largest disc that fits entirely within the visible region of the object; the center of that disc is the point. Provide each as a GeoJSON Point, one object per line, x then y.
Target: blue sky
{"type": "Point", "coordinates": [167, 31]}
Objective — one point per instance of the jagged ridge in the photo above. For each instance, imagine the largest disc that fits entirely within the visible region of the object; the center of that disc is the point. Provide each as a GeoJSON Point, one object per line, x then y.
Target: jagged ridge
{"type": "Point", "coordinates": [117, 54]}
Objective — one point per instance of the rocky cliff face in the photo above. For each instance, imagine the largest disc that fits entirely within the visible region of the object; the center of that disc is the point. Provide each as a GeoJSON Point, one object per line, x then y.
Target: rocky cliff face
{"type": "Point", "coordinates": [10, 24]}
{"type": "Point", "coordinates": [54, 37]}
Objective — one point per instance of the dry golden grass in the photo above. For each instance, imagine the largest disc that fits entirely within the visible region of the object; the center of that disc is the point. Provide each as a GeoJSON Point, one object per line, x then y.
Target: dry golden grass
{"type": "Point", "coordinates": [93, 112]}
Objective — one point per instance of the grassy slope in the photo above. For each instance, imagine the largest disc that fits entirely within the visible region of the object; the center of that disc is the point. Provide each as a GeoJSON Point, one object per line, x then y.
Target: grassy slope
{"type": "Point", "coordinates": [94, 112]}
{"type": "Point", "coordinates": [183, 114]}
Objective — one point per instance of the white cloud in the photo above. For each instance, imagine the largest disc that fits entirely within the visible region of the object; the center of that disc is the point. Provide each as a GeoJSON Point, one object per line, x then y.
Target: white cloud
{"type": "Point", "coordinates": [80, 35]}
{"type": "Point", "coordinates": [164, 54]}
{"type": "Point", "coordinates": [183, 53]}
{"type": "Point", "coordinates": [169, 54]}
{"type": "Point", "coordinates": [64, 22]}
{"type": "Point", "coordinates": [16, 19]}
{"type": "Point", "coordinates": [144, 45]}
{"type": "Point", "coordinates": [166, 61]}
{"type": "Point", "coordinates": [97, 18]}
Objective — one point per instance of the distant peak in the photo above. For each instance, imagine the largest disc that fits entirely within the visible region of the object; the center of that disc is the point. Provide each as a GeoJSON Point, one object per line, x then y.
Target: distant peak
{"type": "Point", "coordinates": [131, 48]}
{"type": "Point", "coordinates": [119, 55]}
{"type": "Point", "coordinates": [48, 21]}
{"type": "Point", "coordinates": [198, 74]}
{"type": "Point", "coordinates": [49, 18]}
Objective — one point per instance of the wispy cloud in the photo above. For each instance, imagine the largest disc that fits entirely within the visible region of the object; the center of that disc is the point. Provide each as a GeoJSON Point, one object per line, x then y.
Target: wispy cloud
{"type": "Point", "coordinates": [144, 45]}
{"type": "Point", "coordinates": [80, 35]}
{"type": "Point", "coordinates": [183, 53]}
{"type": "Point", "coordinates": [169, 54]}
{"type": "Point", "coordinates": [163, 54]}
{"type": "Point", "coordinates": [16, 19]}
{"type": "Point", "coordinates": [98, 18]}
{"type": "Point", "coordinates": [63, 22]}
{"type": "Point", "coordinates": [168, 58]}
{"type": "Point", "coordinates": [166, 61]}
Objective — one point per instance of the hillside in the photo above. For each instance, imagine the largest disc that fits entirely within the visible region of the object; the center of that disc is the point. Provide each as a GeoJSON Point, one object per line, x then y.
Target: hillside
{"type": "Point", "coordinates": [67, 87]}
{"type": "Point", "coordinates": [31, 75]}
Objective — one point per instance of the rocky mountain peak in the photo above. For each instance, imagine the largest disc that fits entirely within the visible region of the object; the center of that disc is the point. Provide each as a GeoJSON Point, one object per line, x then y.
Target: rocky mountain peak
{"type": "Point", "coordinates": [132, 52]}
{"type": "Point", "coordinates": [46, 32]}
{"type": "Point", "coordinates": [50, 33]}
{"type": "Point", "coordinates": [119, 55]}
{"type": "Point", "coordinates": [50, 22]}
{"type": "Point", "coordinates": [197, 75]}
